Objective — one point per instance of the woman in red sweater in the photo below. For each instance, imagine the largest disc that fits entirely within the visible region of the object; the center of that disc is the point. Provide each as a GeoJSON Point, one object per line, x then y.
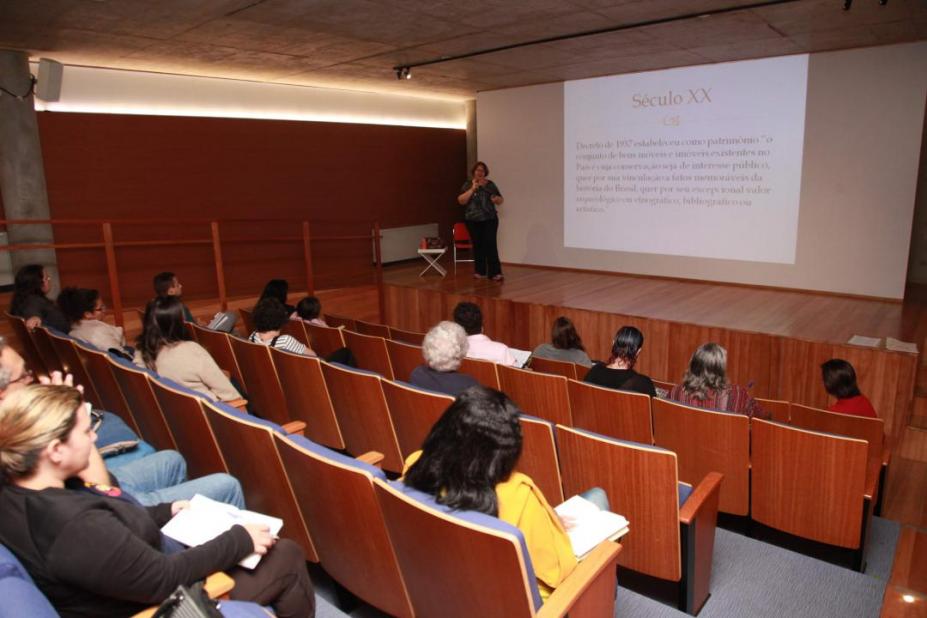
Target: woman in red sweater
{"type": "Point", "coordinates": [840, 382]}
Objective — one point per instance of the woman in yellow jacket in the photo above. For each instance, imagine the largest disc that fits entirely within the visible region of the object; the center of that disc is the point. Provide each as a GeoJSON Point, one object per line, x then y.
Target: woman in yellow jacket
{"type": "Point", "coordinates": [467, 462]}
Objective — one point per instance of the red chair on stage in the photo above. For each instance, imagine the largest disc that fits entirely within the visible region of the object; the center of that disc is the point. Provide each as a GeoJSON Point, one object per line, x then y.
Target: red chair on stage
{"type": "Point", "coordinates": [462, 241]}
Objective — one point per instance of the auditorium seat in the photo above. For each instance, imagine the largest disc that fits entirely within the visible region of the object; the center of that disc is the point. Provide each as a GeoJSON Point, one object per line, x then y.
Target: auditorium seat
{"type": "Point", "coordinates": [667, 386]}
{"type": "Point", "coordinates": [707, 441]}
{"type": "Point", "coordinates": [669, 550]}
{"type": "Point", "coordinates": [46, 350]}
{"type": "Point", "coordinates": [780, 410]}
{"type": "Point", "coordinates": [537, 394]}
{"type": "Point", "coordinates": [414, 412]}
{"type": "Point", "coordinates": [372, 328]}
{"type": "Point", "coordinates": [250, 453]}
{"type": "Point", "coordinates": [307, 397]}
{"type": "Point", "coordinates": [101, 372]}
{"type": "Point", "coordinates": [363, 414]}
{"type": "Point", "coordinates": [618, 414]}
{"type": "Point", "coordinates": [247, 320]}
{"type": "Point", "coordinates": [219, 346]}
{"type": "Point", "coordinates": [265, 393]}
{"type": "Point", "coordinates": [26, 344]}
{"type": "Point", "coordinates": [369, 353]}
{"type": "Point", "coordinates": [555, 367]}
{"type": "Point", "coordinates": [406, 336]}
{"type": "Point", "coordinates": [140, 397]}
{"type": "Point", "coordinates": [813, 486]}
{"type": "Point", "coordinates": [325, 339]}
{"type": "Point", "coordinates": [539, 457]}
{"type": "Point", "coordinates": [297, 330]}
{"type": "Point", "coordinates": [335, 321]}
{"type": "Point", "coordinates": [336, 497]}
{"type": "Point", "coordinates": [71, 363]}
{"type": "Point", "coordinates": [465, 563]}
{"type": "Point", "coordinates": [403, 358]}
{"type": "Point", "coordinates": [483, 371]}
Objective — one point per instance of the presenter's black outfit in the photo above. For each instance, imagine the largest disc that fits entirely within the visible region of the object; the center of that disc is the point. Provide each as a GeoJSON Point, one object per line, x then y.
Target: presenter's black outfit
{"type": "Point", "coordinates": [482, 223]}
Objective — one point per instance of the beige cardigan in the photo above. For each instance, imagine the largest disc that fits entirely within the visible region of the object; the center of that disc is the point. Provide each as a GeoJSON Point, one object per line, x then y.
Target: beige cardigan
{"type": "Point", "coordinates": [190, 365]}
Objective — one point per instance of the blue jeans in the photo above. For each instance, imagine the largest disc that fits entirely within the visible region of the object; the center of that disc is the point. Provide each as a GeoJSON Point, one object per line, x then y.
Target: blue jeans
{"type": "Point", "coordinates": [162, 477]}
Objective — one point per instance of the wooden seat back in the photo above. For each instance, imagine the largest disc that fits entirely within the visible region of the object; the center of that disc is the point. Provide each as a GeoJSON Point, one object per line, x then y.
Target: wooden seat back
{"type": "Point", "coordinates": [71, 363]}
{"type": "Point", "coordinates": [808, 483]}
{"type": "Point", "coordinates": [442, 558]}
{"type": "Point", "coordinates": [705, 441]}
{"type": "Point", "coordinates": [250, 452]}
{"type": "Point", "coordinates": [413, 412]}
{"type": "Point", "coordinates": [363, 415]}
{"type": "Point", "coordinates": [539, 457]}
{"type": "Point", "coordinates": [26, 345]}
{"type": "Point", "coordinates": [43, 344]}
{"type": "Point", "coordinates": [372, 328]}
{"type": "Point", "coordinates": [219, 346]}
{"type": "Point", "coordinates": [140, 397]}
{"type": "Point", "coordinates": [403, 358]}
{"type": "Point", "coordinates": [339, 320]}
{"type": "Point", "coordinates": [860, 427]}
{"type": "Point", "coordinates": [307, 397]}
{"type": "Point", "coordinates": [324, 339]}
{"type": "Point", "coordinates": [370, 353]}
{"type": "Point", "coordinates": [265, 393]}
{"type": "Point", "coordinates": [667, 386]}
{"type": "Point", "coordinates": [406, 336]}
{"type": "Point", "coordinates": [555, 367]}
{"type": "Point", "coordinates": [247, 320]}
{"type": "Point", "coordinates": [347, 525]}
{"type": "Point", "coordinates": [101, 372]}
{"type": "Point", "coordinates": [779, 409]}
{"type": "Point", "coordinates": [538, 394]}
{"type": "Point", "coordinates": [484, 371]}
{"type": "Point", "coordinates": [618, 414]}
{"type": "Point", "coordinates": [296, 330]}
{"type": "Point", "coordinates": [192, 434]}
{"type": "Point", "coordinates": [641, 484]}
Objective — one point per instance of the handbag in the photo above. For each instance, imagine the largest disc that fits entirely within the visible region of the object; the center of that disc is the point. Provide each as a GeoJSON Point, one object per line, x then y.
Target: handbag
{"type": "Point", "coordinates": [188, 602]}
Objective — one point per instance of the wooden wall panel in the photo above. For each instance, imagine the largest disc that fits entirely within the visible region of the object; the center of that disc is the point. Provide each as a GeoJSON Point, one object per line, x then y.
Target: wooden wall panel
{"type": "Point", "coordinates": [341, 177]}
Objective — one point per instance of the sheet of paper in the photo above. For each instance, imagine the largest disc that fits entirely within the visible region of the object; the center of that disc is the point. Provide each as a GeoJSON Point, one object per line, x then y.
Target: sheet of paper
{"type": "Point", "coordinates": [870, 342]}
{"type": "Point", "coordinates": [900, 346]}
{"type": "Point", "coordinates": [590, 526]}
{"type": "Point", "coordinates": [205, 519]}
{"type": "Point", "coordinates": [521, 356]}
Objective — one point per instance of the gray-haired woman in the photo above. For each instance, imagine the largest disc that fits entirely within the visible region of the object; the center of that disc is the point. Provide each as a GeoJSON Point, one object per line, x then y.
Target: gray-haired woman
{"type": "Point", "coordinates": [443, 349]}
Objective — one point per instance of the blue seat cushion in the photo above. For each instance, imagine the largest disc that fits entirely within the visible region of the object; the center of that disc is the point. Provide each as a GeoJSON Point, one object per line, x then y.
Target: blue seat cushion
{"type": "Point", "coordinates": [19, 594]}
{"type": "Point", "coordinates": [480, 519]}
{"type": "Point", "coordinates": [364, 372]}
{"type": "Point", "coordinates": [685, 490]}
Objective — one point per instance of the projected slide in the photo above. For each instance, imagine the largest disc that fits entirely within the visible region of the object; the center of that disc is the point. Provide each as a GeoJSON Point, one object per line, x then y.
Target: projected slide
{"type": "Point", "coordinates": [698, 161]}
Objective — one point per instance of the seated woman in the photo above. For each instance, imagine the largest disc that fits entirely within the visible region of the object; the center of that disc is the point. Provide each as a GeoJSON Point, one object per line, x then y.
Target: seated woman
{"type": "Point", "coordinates": [95, 551]}
{"type": "Point", "coordinates": [619, 372]}
{"type": "Point", "coordinates": [30, 302]}
{"type": "Point", "coordinates": [444, 347]}
{"type": "Point", "coordinates": [705, 386]}
{"type": "Point", "coordinates": [84, 309]}
{"type": "Point", "coordinates": [279, 289]}
{"type": "Point", "coordinates": [840, 382]}
{"type": "Point", "coordinates": [565, 344]}
{"type": "Point", "coordinates": [467, 462]}
{"type": "Point", "coordinates": [270, 316]}
{"type": "Point", "coordinates": [309, 309]}
{"type": "Point", "coordinates": [164, 348]}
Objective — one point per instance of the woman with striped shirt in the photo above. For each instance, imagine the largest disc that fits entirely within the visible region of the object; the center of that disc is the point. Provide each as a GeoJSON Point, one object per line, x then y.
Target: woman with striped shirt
{"type": "Point", "coordinates": [269, 317]}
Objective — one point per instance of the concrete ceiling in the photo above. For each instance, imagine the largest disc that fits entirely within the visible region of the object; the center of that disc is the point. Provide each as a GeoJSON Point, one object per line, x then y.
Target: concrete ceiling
{"type": "Point", "coordinates": [354, 44]}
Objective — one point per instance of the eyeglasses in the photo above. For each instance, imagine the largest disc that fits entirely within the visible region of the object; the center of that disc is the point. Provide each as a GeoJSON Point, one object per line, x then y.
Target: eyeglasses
{"type": "Point", "coordinates": [96, 419]}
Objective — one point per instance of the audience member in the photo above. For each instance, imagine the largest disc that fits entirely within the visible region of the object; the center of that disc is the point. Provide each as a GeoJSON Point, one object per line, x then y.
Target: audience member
{"type": "Point", "coordinates": [705, 386]}
{"type": "Point", "coordinates": [840, 382]}
{"type": "Point", "coordinates": [469, 316]}
{"type": "Point", "coordinates": [270, 316]}
{"type": "Point", "coordinates": [279, 289]}
{"type": "Point", "coordinates": [309, 309]}
{"type": "Point", "coordinates": [30, 300]}
{"type": "Point", "coordinates": [619, 372]}
{"type": "Point", "coordinates": [95, 551]}
{"type": "Point", "coordinates": [84, 309]}
{"type": "Point", "coordinates": [164, 348]}
{"type": "Point", "coordinates": [565, 344]}
{"type": "Point", "coordinates": [444, 347]}
{"type": "Point", "coordinates": [167, 284]}
{"type": "Point", "coordinates": [467, 462]}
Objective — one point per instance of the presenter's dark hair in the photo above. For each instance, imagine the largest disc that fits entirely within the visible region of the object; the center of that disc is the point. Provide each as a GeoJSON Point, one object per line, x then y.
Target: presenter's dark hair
{"type": "Point", "coordinates": [839, 378]}
{"type": "Point", "coordinates": [474, 446]}
{"type": "Point", "coordinates": [269, 314]}
{"type": "Point", "coordinates": [75, 302]}
{"type": "Point", "coordinates": [309, 308]}
{"type": "Point", "coordinates": [470, 317]}
{"type": "Point", "coordinates": [276, 288]}
{"type": "Point", "coordinates": [28, 282]}
{"type": "Point", "coordinates": [627, 345]}
{"type": "Point", "coordinates": [163, 325]}
{"type": "Point", "coordinates": [564, 336]}
{"type": "Point", "coordinates": [478, 164]}
{"type": "Point", "coordinates": [162, 282]}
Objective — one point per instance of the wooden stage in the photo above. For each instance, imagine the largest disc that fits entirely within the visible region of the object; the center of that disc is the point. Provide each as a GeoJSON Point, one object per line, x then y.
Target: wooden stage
{"type": "Point", "coordinates": [776, 339]}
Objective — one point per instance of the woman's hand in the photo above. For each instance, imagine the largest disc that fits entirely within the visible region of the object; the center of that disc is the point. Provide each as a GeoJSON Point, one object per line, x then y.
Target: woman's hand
{"type": "Point", "coordinates": [178, 506]}
{"type": "Point", "coordinates": [261, 537]}
{"type": "Point", "coordinates": [496, 199]}
{"type": "Point", "coordinates": [33, 322]}
{"type": "Point", "coordinates": [57, 379]}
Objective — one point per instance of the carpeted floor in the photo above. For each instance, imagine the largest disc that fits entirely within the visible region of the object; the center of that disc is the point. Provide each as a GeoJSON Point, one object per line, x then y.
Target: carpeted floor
{"type": "Point", "coordinates": [752, 578]}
